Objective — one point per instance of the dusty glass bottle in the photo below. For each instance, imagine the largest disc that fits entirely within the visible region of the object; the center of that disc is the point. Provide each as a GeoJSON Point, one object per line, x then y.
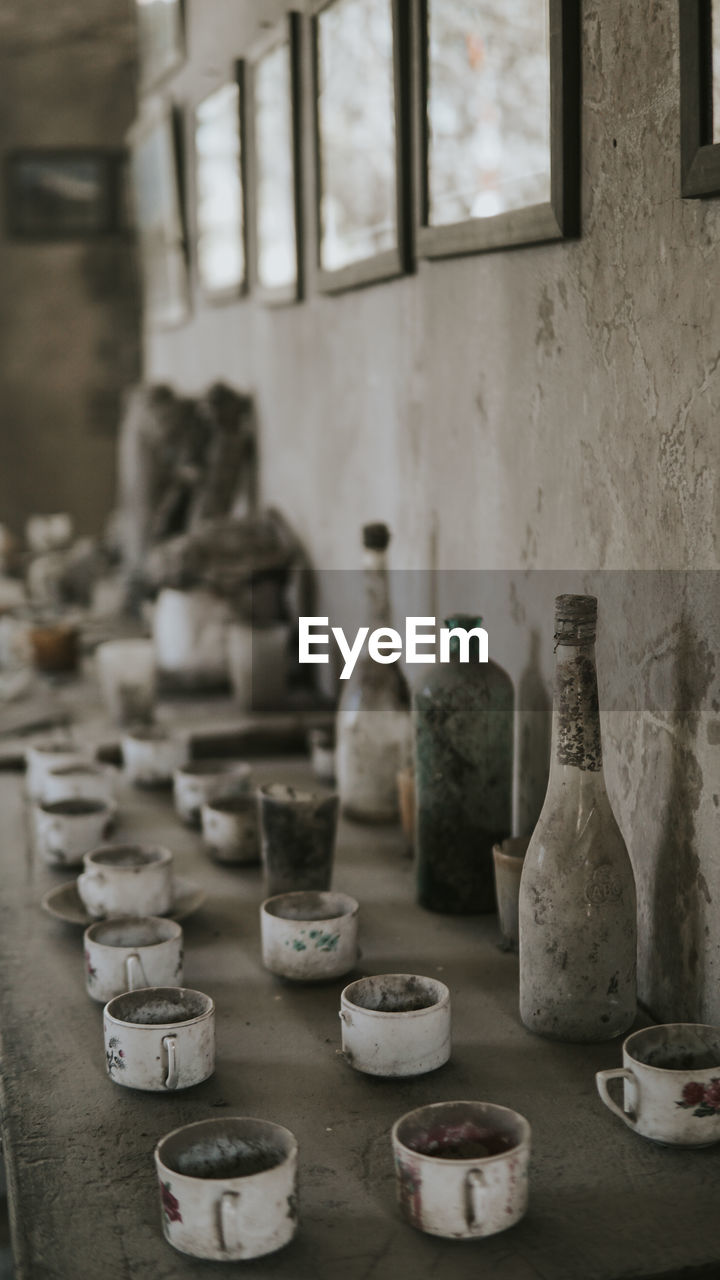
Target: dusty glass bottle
{"type": "Point", "coordinates": [373, 717]}
{"type": "Point", "coordinates": [463, 731]}
{"type": "Point", "coordinates": [578, 915]}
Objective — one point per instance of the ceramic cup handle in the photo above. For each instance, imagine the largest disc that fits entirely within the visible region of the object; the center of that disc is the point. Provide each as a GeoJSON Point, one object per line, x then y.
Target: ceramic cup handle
{"type": "Point", "coordinates": [475, 1185]}
{"type": "Point", "coordinates": [134, 974]}
{"type": "Point", "coordinates": [603, 1078]}
{"type": "Point", "coordinates": [227, 1221]}
{"type": "Point", "coordinates": [170, 1046]}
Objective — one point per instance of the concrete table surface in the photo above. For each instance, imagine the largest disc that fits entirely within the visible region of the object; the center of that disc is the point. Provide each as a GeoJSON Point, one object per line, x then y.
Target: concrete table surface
{"type": "Point", "coordinates": [604, 1204]}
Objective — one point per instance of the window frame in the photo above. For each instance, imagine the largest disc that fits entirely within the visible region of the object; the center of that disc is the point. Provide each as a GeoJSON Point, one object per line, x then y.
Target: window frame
{"type": "Point", "coordinates": [699, 155]}
{"type": "Point", "coordinates": [230, 293]}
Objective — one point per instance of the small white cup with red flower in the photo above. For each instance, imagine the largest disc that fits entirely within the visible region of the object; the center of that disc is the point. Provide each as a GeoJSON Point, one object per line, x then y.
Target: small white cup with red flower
{"type": "Point", "coordinates": [671, 1076]}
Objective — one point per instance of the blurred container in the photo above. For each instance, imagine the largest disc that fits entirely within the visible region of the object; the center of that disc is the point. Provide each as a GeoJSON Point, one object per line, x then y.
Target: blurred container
{"type": "Point", "coordinates": [54, 646]}
{"type": "Point", "coordinates": [126, 671]}
{"type": "Point", "coordinates": [190, 635]}
{"type": "Point", "coordinates": [508, 858]}
{"type": "Point", "coordinates": [258, 664]}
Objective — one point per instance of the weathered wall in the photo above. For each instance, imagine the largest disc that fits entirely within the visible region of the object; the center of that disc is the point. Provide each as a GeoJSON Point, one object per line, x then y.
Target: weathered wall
{"type": "Point", "coordinates": [553, 407]}
{"type": "Point", "coordinates": [68, 310]}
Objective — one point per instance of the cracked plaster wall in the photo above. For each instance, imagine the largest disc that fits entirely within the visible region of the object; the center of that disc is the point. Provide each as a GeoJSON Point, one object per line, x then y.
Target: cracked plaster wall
{"type": "Point", "coordinates": [545, 408]}
{"type": "Point", "coordinates": [68, 309]}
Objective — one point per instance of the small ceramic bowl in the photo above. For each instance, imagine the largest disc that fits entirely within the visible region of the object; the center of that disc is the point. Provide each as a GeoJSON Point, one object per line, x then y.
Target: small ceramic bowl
{"type": "Point", "coordinates": [151, 755]}
{"type": "Point", "coordinates": [201, 781]}
{"type": "Point", "coordinates": [395, 1024]}
{"type": "Point", "coordinates": [83, 780]}
{"type": "Point", "coordinates": [44, 756]}
{"type": "Point", "coordinates": [230, 829]}
{"type": "Point", "coordinates": [309, 936]}
{"type": "Point", "coordinates": [67, 829]}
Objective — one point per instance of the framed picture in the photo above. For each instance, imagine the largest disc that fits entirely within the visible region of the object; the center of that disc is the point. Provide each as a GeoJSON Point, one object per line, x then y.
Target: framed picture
{"type": "Point", "coordinates": [274, 168]}
{"type": "Point", "coordinates": [497, 123]}
{"type": "Point", "coordinates": [360, 88]}
{"type": "Point", "coordinates": [157, 185]}
{"type": "Point", "coordinates": [161, 38]}
{"type": "Point", "coordinates": [220, 222]}
{"type": "Point", "coordinates": [64, 194]}
{"type": "Point", "coordinates": [700, 97]}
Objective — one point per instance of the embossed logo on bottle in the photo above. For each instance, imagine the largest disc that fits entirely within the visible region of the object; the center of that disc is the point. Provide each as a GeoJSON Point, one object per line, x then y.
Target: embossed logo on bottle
{"type": "Point", "coordinates": [603, 886]}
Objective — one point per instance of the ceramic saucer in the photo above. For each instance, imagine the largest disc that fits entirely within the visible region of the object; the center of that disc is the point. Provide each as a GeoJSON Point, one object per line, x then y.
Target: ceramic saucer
{"type": "Point", "coordinates": [65, 903]}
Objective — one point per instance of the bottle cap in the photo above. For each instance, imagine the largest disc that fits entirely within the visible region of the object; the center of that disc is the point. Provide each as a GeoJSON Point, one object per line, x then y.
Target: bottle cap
{"type": "Point", "coordinates": [575, 619]}
{"type": "Point", "coordinates": [376, 536]}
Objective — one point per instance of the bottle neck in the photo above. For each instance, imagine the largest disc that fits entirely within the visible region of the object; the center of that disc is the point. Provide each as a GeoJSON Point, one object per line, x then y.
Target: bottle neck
{"type": "Point", "coordinates": [576, 742]}
{"type": "Point", "coordinates": [377, 590]}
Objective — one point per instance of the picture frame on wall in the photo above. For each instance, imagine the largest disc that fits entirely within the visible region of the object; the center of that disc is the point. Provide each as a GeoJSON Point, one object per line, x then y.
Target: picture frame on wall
{"type": "Point", "coordinates": [274, 187]}
{"type": "Point", "coordinates": [156, 173]}
{"type": "Point", "coordinates": [700, 97]}
{"type": "Point", "coordinates": [161, 39]}
{"type": "Point", "coordinates": [360, 90]}
{"type": "Point", "coordinates": [221, 255]}
{"type": "Point", "coordinates": [64, 193]}
{"type": "Point", "coordinates": [497, 124]}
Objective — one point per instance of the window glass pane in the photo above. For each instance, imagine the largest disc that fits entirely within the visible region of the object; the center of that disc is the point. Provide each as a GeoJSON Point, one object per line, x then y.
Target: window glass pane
{"type": "Point", "coordinates": [715, 12]}
{"type": "Point", "coordinates": [277, 258]}
{"type": "Point", "coordinates": [356, 115]}
{"type": "Point", "coordinates": [488, 107]}
{"type": "Point", "coordinates": [220, 248]}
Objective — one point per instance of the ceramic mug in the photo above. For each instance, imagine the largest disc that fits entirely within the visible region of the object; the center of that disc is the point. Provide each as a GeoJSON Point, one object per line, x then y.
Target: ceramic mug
{"type": "Point", "coordinates": [671, 1077]}
{"type": "Point", "coordinates": [395, 1024]}
{"type": "Point", "coordinates": [151, 755]}
{"type": "Point", "coordinates": [228, 1188]}
{"type": "Point", "coordinates": [67, 829]}
{"type": "Point", "coordinates": [508, 859]}
{"type": "Point", "coordinates": [297, 830]}
{"type": "Point", "coordinates": [130, 952]}
{"type": "Point", "coordinates": [83, 780]}
{"type": "Point", "coordinates": [44, 756]}
{"type": "Point", "coordinates": [126, 672]}
{"type": "Point", "coordinates": [230, 829]}
{"type": "Point", "coordinates": [462, 1168]}
{"type": "Point", "coordinates": [309, 937]}
{"type": "Point", "coordinates": [160, 1038]}
{"type": "Point", "coordinates": [127, 880]}
{"type": "Point", "coordinates": [201, 781]}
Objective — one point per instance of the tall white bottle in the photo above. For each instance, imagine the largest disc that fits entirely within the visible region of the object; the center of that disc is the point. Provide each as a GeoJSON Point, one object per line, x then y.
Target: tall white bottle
{"type": "Point", "coordinates": [578, 914]}
{"type": "Point", "coordinates": [373, 718]}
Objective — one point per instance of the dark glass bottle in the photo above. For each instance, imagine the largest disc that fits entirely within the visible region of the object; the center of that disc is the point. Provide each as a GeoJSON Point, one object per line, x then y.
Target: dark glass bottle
{"type": "Point", "coordinates": [463, 728]}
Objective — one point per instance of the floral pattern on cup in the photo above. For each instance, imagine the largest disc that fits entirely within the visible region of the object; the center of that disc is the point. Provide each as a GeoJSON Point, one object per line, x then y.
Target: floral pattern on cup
{"type": "Point", "coordinates": [705, 1098]}
{"type": "Point", "coordinates": [170, 1203]}
{"type": "Point", "coordinates": [91, 972]}
{"type": "Point", "coordinates": [115, 1057]}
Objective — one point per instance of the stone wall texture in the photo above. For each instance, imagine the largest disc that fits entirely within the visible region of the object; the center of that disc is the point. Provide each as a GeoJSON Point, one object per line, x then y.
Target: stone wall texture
{"type": "Point", "coordinates": [69, 320]}
{"type": "Point", "coordinates": [549, 408]}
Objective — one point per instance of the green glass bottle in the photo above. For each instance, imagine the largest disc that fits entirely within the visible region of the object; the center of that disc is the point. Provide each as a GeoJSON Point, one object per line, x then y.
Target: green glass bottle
{"type": "Point", "coordinates": [463, 731]}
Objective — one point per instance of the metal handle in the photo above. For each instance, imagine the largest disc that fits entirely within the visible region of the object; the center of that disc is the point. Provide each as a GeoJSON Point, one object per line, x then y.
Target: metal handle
{"type": "Point", "coordinates": [227, 1222]}
{"type": "Point", "coordinates": [170, 1046]}
{"type": "Point", "coordinates": [603, 1078]}
{"type": "Point", "coordinates": [475, 1185]}
{"type": "Point", "coordinates": [134, 973]}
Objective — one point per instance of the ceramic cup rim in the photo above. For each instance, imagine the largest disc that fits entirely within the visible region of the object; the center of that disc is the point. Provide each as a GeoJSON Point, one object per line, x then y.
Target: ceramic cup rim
{"type": "Point", "coordinates": [54, 749]}
{"type": "Point", "coordinates": [285, 794]}
{"type": "Point", "coordinates": [218, 1122]}
{"type": "Point", "coordinates": [352, 904]}
{"type": "Point", "coordinates": [671, 1071]}
{"type": "Point", "coordinates": [99, 807]}
{"type": "Point", "coordinates": [442, 1003]}
{"type": "Point", "coordinates": [164, 859]}
{"type": "Point", "coordinates": [504, 855]}
{"type": "Point", "coordinates": [467, 1162]}
{"type": "Point", "coordinates": [207, 1012]}
{"type": "Point", "coordinates": [211, 767]}
{"type": "Point", "coordinates": [115, 921]}
{"type": "Point", "coordinates": [231, 806]}
{"type": "Point", "coordinates": [152, 734]}
{"type": "Point", "coordinates": [93, 767]}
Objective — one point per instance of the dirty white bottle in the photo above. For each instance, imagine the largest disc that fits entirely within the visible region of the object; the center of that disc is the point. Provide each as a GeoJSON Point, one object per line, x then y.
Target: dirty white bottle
{"type": "Point", "coordinates": [578, 915]}
{"type": "Point", "coordinates": [373, 719]}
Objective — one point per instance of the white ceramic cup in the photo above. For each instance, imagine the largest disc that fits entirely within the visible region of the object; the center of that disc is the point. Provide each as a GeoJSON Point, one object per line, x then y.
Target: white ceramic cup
{"type": "Point", "coordinates": [127, 880]}
{"type": "Point", "coordinates": [159, 1038]}
{"type": "Point", "coordinates": [130, 952]}
{"type": "Point", "coordinates": [228, 1188]}
{"type": "Point", "coordinates": [395, 1024]}
{"type": "Point", "coordinates": [126, 672]}
{"type": "Point", "coordinates": [671, 1077]}
{"type": "Point", "coordinates": [462, 1168]}
{"type": "Point", "coordinates": [508, 859]}
{"type": "Point", "coordinates": [230, 829]}
{"type": "Point", "coordinates": [309, 936]}
{"type": "Point", "coordinates": [67, 829]}
{"type": "Point", "coordinates": [44, 756]}
{"type": "Point", "coordinates": [151, 755]}
{"type": "Point", "coordinates": [201, 781]}
{"type": "Point", "coordinates": [83, 780]}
